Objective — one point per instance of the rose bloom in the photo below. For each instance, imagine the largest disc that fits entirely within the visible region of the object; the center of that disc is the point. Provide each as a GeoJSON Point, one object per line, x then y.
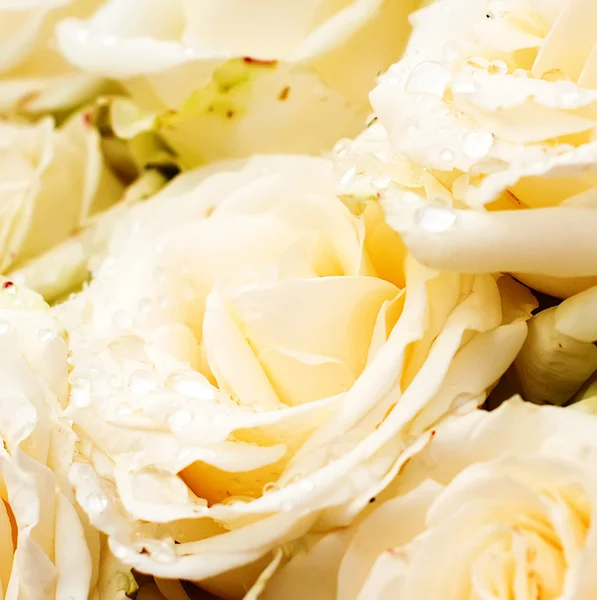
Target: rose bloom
{"type": "Point", "coordinates": [497, 505]}
{"type": "Point", "coordinates": [499, 100]}
{"type": "Point", "coordinates": [252, 360]}
{"type": "Point", "coordinates": [46, 550]}
{"type": "Point", "coordinates": [52, 181]}
{"type": "Point", "coordinates": [34, 78]}
{"type": "Point", "coordinates": [303, 68]}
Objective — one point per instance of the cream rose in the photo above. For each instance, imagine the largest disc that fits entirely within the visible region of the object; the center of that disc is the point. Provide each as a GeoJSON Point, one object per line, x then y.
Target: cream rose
{"type": "Point", "coordinates": [300, 81]}
{"type": "Point", "coordinates": [497, 505]}
{"type": "Point", "coordinates": [252, 360]}
{"type": "Point", "coordinates": [44, 552]}
{"type": "Point", "coordinates": [34, 78]}
{"type": "Point", "coordinates": [499, 100]}
{"type": "Point", "coordinates": [52, 182]}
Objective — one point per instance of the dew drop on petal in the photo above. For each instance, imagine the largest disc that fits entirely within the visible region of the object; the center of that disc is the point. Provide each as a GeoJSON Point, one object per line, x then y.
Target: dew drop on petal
{"type": "Point", "coordinates": [446, 155]}
{"type": "Point", "coordinates": [46, 335]}
{"type": "Point", "coordinates": [96, 503]}
{"type": "Point", "coordinates": [141, 382]}
{"type": "Point", "coordinates": [381, 182]}
{"type": "Point", "coordinates": [478, 143]}
{"type": "Point", "coordinates": [428, 78]}
{"type": "Point", "coordinates": [435, 219]}
{"type": "Point", "coordinates": [80, 397]}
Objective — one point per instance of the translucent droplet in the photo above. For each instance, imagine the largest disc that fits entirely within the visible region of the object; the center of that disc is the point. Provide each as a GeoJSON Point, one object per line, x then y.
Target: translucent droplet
{"type": "Point", "coordinates": [341, 147]}
{"type": "Point", "coordinates": [429, 78]}
{"type": "Point", "coordinates": [193, 386]}
{"type": "Point", "coordinates": [306, 486]}
{"type": "Point", "coordinates": [477, 144]}
{"type": "Point", "coordinates": [520, 73]}
{"type": "Point", "coordinates": [179, 419]}
{"type": "Point", "coordinates": [123, 411]}
{"type": "Point", "coordinates": [446, 155]}
{"type": "Point", "coordinates": [498, 67]}
{"type": "Point", "coordinates": [348, 176]}
{"type": "Point", "coordinates": [96, 503]}
{"type": "Point", "coordinates": [122, 319]}
{"type": "Point", "coordinates": [141, 382]}
{"type": "Point", "coordinates": [46, 335]}
{"type": "Point", "coordinates": [269, 487]}
{"type": "Point", "coordinates": [119, 550]}
{"type": "Point", "coordinates": [435, 219]}
{"type": "Point", "coordinates": [164, 552]}
{"type": "Point", "coordinates": [80, 397]}
{"type": "Point", "coordinates": [381, 182]}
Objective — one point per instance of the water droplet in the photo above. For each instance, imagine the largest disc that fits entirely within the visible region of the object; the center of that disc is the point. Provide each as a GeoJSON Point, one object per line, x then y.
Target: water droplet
{"type": "Point", "coordinates": [80, 397]}
{"type": "Point", "coordinates": [4, 327]}
{"type": "Point", "coordinates": [141, 382]}
{"type": "Point", "coordinates": [179, 419]}
{"type": "Point", "coordinates": [341, 147]}
{"type": "Point", "coordinates": [429, 78]}
{"type": "Point", "coordinates": [46, 335]}
{"type": "Point", "coordinates": [119, 550]}
{"type": "Point", "coordinates": [190, 385]}
{"type": "Point", "coordinates": [520, 73]}
{"type": "Point", "coordinates": [163, 552]}
{"type": "Point", "coordinates": [96, 503]}
{"type": "Point", "coordinates": [381, 182]}
{"type": "Point", "coordinates": [348, 175]}
{"type": "Point", "coordinates": [498, 67]}
{"type": "Point", "coordinates": [123, 411]}
{"type": "Point", "coordinates": [435, 219]}
{"type": "Point", "coordinates": [446, 155]}
{"type": "Point", "coordinates": [306, 486]}
{"type": "Point", "coordinates": [477, 144]}
{"type": "Point", "coordinates": [122, 319]}
{"type": "Point", "coordinates": [269, 487]}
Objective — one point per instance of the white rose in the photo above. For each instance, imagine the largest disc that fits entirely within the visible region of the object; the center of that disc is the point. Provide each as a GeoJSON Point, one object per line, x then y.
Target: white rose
{"type": "Point", "coordinates": [303, 68]}
{"type": "Point", "coordinates": [252, 359]}
{"type": "Point", "coordinates": [34, 78]}
{"type": "Point", "coordinates": [44, 551]}
{"type": "Point", "coordinates": [498, 505]}
{"type": "Point", "coordinates": [499, 99]}
{"type": "Point", "coordinates": [52, 181]}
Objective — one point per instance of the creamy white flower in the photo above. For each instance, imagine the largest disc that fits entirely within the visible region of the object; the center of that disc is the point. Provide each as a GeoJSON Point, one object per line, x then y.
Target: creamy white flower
{"type": "Point", "coordinates": [252, 360]}
{"type": "Point", "coordinates": [499, 98]}
{"type": "Point", "coordinates": [52, 181]}
{"type": "Point", "coordinates": [44, 551]}
{"type": "Point", "coordinates": [498, 505]}
{"type": "Point", "coordinates": [304, 68]}
{"type": "Point", "coordinates": [34, 78]}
